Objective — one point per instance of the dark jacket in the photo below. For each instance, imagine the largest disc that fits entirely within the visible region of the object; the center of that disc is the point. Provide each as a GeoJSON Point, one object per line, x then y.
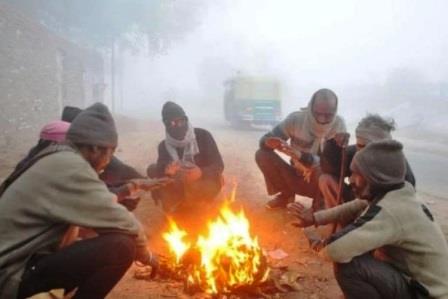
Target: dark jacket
{"type": "Point", "coordinates": [118, 173]}
{"type": "Point", "coordinates": [209, 159]}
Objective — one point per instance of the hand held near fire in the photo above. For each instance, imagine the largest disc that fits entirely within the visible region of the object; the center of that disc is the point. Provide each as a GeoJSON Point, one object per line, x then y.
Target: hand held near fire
{"type": "Point", "coordinates": [172, 168]}
{"type": "Point", "coordinates": [189, 173]}
{"type": "Point", "coordinates": [302, 162]}
{"type": "Point", "coordinates": [305, 215]}
{"type": "Point", "coordinates": [281, 145]}
{"type": "Point", "coordinates": [144, 257]}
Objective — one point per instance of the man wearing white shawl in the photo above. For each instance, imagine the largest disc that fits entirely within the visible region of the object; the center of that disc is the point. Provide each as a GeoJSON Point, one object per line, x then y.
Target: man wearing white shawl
{"type": "Point", "coordinates": [306, 130]}
{"type": "Point", "coordinates": [190, 156]}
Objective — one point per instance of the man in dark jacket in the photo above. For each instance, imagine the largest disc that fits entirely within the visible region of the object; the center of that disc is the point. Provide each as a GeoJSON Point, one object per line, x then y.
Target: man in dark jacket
{"type": "Point", "coordinates": [371, 128]}
{"type": "Point", "coordinates": [190, 156]}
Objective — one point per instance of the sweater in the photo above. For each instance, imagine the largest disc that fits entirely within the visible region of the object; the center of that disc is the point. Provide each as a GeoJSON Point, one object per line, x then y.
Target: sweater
{"type": "Point", "coordinates": [294, 129]}
{"type": "Point", "coordinates": [37, 209]}
{"type": "Point", "coordinates": [403, 230]}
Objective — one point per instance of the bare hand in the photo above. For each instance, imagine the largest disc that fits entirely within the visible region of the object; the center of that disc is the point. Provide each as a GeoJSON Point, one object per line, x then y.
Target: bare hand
{"type": "Point", "coordinates": [147, 258]}
{"type": "Point", "coordinates": [281, 145]}
{"type": "Point", "coordinates": [305, 215]}
{"type": "Point", "coordinates": [314, 238]}
{"type": "Point", "coordinates": [342, 139]}
{"type": "Point", "coordinates": [191, 173]}
{"type": "Point", "coordinates": [172, 168]}
{"type": "Point", "coordinates": [306, 171]}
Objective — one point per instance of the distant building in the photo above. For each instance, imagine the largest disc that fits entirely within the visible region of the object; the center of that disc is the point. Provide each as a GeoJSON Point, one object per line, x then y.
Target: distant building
{"type": "Point", "coordinates": [40, 73]}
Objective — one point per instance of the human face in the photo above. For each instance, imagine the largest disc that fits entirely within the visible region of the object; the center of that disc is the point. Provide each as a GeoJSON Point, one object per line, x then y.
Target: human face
{"type": "Point", "coordinates": [360, 143]}
{"type": "Point", "coordinates": [99, 157]}
{"type": "Point", "coordinates": [324, 111]}
{"type": "Point", "coordinates": [177, 127]}
{"type": "Point", "coordinates": [359, 185]}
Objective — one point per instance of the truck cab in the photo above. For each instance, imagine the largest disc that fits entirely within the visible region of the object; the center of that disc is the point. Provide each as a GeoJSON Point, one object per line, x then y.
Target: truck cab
{"type": "Point", "coordinates": [252, 101]}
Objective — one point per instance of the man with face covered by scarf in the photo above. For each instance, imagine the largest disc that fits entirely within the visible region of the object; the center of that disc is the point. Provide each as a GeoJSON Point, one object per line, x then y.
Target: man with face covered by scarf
{"type": "Point", "coordinates": [190, 156]}
{"type": "Point", "coordinates": [306, 130]}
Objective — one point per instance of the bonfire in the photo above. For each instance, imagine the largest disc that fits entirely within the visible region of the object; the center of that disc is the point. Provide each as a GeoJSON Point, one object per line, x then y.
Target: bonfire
{"type": "Point", "coordinates": [225, 259]}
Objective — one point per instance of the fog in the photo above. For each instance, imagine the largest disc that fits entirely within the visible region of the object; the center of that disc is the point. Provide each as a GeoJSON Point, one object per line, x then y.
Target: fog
{"type": "Point", "coordinates": [378, 56]}
{"type": "Point", "coordinates": [383, 56]}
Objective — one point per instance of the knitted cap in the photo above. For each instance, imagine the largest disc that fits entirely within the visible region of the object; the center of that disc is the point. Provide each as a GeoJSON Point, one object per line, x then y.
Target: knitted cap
{"type": "Point", "coordinates": [55, 131]}
{"type": "Point", "coordinates": [381, 163]}
{"type": "Point", "coordinates": [69, 113]}
{"type": "Point", "coordinates": [94, 126]}
{"type": "Point", "coordinates": [171, 110]}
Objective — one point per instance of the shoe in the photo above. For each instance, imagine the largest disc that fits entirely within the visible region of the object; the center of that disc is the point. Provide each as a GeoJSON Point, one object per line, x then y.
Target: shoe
{"type": "Point", "coordinates": [279, 202]}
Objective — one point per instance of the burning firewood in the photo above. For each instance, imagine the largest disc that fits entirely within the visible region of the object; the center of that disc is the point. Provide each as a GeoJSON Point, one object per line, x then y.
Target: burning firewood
{"type": "Point", "coordinates": [226, 262]}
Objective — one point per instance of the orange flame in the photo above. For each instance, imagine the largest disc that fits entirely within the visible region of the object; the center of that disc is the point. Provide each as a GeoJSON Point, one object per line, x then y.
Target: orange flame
{"type": "Point", "coordinates": [176, 236]}
{"type": "Point", "coordinates": [229, 256]}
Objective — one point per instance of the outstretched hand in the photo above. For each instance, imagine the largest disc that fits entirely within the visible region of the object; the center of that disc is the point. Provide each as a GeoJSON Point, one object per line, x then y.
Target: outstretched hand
{"type": "Point", "coordinates": [190, 173]}
{"type": "Point", "coordinates": [172, 168]}
{"type": "Point", "coordinates": [305, 215]}
{"type": "Point", "coordinates": [281, 145]}
{"type": "Point", "coordinates": [150, 184]}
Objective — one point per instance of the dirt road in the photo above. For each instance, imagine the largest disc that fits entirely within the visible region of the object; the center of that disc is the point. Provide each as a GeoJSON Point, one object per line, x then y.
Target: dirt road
{"type": "Point", "coordinates": [273, 229]}
{"type": "Point", "coordinates": [138, 144]}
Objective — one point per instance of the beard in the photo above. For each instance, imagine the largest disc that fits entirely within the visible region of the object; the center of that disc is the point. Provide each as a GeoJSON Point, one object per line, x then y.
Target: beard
{"type": "Point", "coordinates": [361, 192]}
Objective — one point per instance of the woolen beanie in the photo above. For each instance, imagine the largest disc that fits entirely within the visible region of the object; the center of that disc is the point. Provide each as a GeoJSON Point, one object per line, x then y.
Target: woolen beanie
{"type": "Point", "coordinates": [94, 126]}
{"type": "Point", "coordinates": [69, 113]}
{"type": "Point", "coordinates": [55, 131]}
{"type": "Point", "coordinates": [171, 110]}
{"type": "Point", "coordinates": [382, 163]}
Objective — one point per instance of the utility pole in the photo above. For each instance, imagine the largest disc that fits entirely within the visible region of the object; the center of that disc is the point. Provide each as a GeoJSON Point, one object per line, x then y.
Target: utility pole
{"type": "Point", "coordinates": [112, 76]}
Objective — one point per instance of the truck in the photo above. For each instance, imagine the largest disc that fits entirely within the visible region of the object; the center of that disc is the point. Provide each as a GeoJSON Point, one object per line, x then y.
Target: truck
{"type": "Point", "coordinates": [252, 101]}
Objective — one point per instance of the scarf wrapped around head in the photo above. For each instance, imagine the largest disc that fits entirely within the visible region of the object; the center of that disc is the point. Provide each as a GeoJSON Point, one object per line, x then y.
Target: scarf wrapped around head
{"type": "Point", "coordinates": [370, 133]}
{"type": "Point", "coordinates": [314, 129]}
{"type": "Point", "coordinates": [189, 144]}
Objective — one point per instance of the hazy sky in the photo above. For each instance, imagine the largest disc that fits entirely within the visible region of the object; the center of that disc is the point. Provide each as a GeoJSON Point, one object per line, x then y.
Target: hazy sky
{"type": "Point", "coordinates": [308, 44]}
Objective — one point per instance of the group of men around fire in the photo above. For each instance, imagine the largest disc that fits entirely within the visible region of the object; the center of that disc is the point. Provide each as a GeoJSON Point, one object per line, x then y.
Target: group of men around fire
{"type": "Point", "coordinates": [386, 243]}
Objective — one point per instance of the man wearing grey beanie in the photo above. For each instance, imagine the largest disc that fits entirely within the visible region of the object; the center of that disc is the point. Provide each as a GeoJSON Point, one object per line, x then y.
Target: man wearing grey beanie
{"type": "Point", "coordinates": [59, 192]}
{"type": "Point", "coordinates": [372, 127]}
{"type": "Point", "coordinates": [395, 249]}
